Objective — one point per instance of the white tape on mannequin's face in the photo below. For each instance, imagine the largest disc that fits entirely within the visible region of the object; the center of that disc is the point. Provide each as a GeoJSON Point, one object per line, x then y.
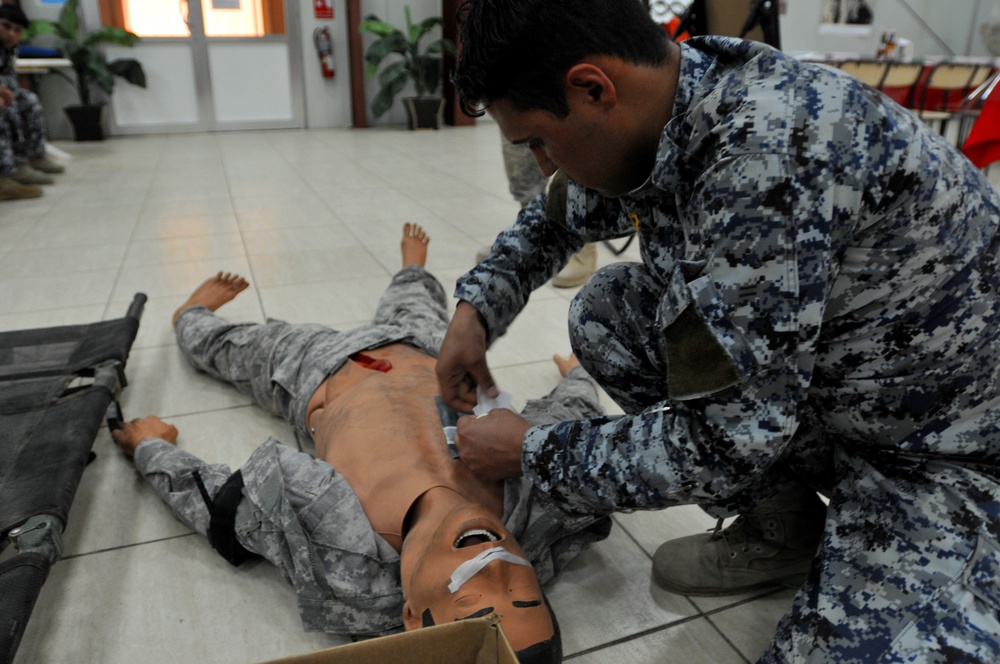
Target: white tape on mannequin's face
{"type": "Point", "coordinates": [474, 566]}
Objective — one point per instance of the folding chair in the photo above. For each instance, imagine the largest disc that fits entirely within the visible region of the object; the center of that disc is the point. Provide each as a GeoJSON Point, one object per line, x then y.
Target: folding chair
{"type": "Point", "coordinates": [940, 96]}
{"type": "Point", "coordinates": [900, 80]}
{"type": "Point", "coordinates": [57, 386]}
{"type": "Point", "coordinates": [867, 71]}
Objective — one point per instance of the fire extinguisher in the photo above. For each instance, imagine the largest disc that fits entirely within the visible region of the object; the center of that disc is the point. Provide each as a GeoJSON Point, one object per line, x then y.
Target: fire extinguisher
{"type": "Point", "coordinates": [324, 48]}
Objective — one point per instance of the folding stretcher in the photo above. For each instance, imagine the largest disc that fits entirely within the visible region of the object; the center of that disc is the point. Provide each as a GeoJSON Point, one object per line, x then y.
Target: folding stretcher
{"type": "Point", "coordinates": [57, 386]}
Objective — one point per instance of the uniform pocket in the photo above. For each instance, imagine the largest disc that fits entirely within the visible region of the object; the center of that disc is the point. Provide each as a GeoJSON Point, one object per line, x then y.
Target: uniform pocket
{"type": "Point", "coordinates": [982, 577]}
{"type": "Point", "coordinates": [960, 623]}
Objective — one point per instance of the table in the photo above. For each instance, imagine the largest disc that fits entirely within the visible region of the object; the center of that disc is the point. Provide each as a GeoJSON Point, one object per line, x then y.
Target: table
{"type": "Point", "coordinates": [28, 66]}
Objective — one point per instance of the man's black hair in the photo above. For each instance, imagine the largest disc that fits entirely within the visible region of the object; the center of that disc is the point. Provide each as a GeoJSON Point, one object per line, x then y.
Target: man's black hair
{"type": "Point", "coordinates": [14, 14]}
{"type": "Point", "coordinates": [520, 50]}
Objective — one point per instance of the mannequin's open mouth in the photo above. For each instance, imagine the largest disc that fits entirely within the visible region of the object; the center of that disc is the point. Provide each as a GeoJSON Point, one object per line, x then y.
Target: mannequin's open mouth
{"type": "Point", "coordinates": [475, 536]}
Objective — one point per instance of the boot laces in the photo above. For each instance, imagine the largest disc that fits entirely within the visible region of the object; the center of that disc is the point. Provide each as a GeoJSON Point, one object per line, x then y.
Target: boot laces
{"type": "Point", "coordinates": [739, 534]}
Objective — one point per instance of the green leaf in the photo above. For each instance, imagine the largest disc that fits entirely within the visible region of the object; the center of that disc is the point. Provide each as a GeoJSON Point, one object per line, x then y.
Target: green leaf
{"type": "Point", "coordinates": [421, 29]}
{"type": "Point", "coordinates": [111, 35]}
{"type": "Point", "coordinates": [377, 26]}
{"type": "Point", "coordinates": [387, 95]}
{"type": "Point", "coordinates": [378, 51]}
{"type": "Point", "coordinates": [69, 20]}
{"type": "Point", "coordinates": [441, 46]}
{"type": "Point", "coordinates": [103, 78]}
{"type": "Point", "coordinates": [39, 26]}
{"type": "Point", "coordinates": [130, 70]}
{"type": "Point", "coordinates": [428, 76]}
{"type": "Point", "coordinates": [389, 75]}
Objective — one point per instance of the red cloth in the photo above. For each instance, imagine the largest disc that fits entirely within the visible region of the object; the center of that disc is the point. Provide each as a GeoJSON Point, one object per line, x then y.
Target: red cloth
{"type": "Point", "coordinates": [671, 28]}
{"type": "Point", "coordinates": [983, 145]}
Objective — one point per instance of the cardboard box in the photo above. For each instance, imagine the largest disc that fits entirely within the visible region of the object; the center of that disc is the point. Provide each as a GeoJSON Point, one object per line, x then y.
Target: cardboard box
{"type": "Point", "coordinates": [474, 641]}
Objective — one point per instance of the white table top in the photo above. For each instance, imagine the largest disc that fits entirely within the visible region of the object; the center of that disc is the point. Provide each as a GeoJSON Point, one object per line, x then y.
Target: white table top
{"type": "Point", "coordinates": [38, 65]}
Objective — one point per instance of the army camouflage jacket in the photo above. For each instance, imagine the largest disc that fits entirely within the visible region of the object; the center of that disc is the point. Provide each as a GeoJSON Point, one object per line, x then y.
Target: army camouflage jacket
{"type": "Point", "coordinates": [841, 253]}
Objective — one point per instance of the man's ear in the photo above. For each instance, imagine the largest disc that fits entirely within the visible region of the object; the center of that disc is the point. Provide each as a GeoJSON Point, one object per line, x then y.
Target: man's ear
{"type": "Point", "coordinates": [591, 82]}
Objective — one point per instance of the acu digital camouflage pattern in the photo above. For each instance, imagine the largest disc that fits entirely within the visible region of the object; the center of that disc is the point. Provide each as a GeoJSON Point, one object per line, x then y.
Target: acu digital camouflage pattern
{"type": "Point", "coordinates": [297, 511]}
{"type": "Point", "coordinates": [23, 137]}
{"type": "Point", "coordinates": [841, 260]}
{"type": "Point", "coordinates": [524, 177]}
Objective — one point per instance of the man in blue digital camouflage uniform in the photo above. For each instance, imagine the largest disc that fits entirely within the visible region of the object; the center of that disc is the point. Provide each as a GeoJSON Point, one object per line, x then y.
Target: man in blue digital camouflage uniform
{"type": "Point", "coordinates": [816, 310]}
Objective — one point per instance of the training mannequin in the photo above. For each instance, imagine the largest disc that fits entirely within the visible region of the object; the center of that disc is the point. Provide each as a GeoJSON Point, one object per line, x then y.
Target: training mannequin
{"type": "Point", "coordinates": [383, 511]}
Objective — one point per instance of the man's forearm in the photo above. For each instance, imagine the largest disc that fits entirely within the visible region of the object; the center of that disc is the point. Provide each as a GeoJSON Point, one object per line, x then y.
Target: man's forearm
{"type": "Point", "coordinates": [524, 257]}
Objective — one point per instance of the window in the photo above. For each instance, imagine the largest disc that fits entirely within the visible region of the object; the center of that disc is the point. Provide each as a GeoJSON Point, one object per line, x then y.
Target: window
{"type": "Point", "coordinates": [223, 18]}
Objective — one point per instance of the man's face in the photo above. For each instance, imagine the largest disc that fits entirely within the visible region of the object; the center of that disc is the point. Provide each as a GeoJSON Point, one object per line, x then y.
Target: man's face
{"type": "Point", "coordinates": [10, 33]}
{"type": "Point", "coordinates": [511, 590]}
{"type": "Point", "coordinates": [582, 144]}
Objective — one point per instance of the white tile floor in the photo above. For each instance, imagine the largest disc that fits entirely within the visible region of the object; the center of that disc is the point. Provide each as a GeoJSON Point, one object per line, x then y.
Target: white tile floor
{"type": "Point", "coordinates": [313, 218]}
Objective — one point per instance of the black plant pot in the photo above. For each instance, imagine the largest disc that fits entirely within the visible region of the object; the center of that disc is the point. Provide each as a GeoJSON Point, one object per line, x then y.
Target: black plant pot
{"type": "Point", "coordinates": [424, 112]}
{"type": "Point", "coordinates": [87, 121]}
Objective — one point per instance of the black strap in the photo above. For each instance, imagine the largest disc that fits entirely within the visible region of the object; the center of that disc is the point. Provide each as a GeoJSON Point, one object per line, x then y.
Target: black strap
{"type": "Point", "coordinates": [222, 518]}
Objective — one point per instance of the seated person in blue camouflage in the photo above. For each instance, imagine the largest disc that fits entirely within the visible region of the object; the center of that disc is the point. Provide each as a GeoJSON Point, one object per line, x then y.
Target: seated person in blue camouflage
{"type": "Point", "coordinates": [816, 309]}
{"type": "Point", "coordinates": [383, 527]}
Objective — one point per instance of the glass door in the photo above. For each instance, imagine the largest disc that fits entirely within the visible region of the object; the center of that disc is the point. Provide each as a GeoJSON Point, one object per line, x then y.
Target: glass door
{"type": "Point", "coordinates": [210, 64]}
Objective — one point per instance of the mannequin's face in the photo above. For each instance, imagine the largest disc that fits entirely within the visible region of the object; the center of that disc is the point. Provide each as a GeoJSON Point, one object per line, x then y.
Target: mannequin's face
{"type": "Point", "coordinates": [429, 557]}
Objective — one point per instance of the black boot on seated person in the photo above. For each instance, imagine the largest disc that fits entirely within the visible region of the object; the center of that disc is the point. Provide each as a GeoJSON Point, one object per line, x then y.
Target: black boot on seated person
{"type": "Point", "coordinates": [773, 545]}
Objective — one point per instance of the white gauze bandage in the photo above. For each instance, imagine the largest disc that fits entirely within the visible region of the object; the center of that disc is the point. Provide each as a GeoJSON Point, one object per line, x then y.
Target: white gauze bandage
{"type": "Point", "coordinates": [474, 566]}
{"type": "Point", "coordinates": [485, 404]}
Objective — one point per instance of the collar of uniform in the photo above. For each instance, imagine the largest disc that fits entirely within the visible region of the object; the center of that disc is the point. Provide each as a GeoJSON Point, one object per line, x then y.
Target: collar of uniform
{"type": "Point", "coordinates": [694, 66]}
{"type": "Point", "coordinates": [703, 60]}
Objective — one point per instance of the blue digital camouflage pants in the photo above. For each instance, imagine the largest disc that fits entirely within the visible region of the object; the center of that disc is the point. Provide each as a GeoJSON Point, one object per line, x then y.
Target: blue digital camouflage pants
{"type": "Point", "coordinates": [7, 163]}
{"type": "Point", "coordinates": [25, 121]}
{"type": "Point", "coordinates": [908, 567]}
{"type": "Point", "coordinates": [31, 126]}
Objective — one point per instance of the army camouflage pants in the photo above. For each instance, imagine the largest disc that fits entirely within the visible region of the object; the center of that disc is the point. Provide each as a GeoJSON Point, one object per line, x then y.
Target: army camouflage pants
{"type": "Point", "coordinates": [524, 177]}
{"type": "Point", "coordinates": [280, 365]}
{"type": "Point", "coordinates": [909, 565]}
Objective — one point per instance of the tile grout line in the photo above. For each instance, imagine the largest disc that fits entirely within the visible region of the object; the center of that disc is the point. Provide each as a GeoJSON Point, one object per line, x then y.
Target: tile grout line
{"type": "Point", "coordinates": [126, 546]}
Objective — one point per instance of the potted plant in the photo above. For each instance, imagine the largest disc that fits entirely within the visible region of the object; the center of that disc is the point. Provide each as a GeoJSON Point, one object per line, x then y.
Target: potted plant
{"type": "Point", "coordinates": [89, 66]}
{"type": "Point", "coordinates": [422, 67]}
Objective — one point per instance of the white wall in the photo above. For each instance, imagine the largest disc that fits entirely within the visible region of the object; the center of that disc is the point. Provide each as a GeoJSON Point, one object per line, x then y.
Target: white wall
{"type": "Point", "coordinates": [328, 101]}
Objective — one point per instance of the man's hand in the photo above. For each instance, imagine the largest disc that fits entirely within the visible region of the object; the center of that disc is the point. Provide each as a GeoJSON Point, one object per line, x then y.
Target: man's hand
{"type": "Point", "coordinates": [6, 97]}
{"type": "Point", "coordinates": [134, 432]}
{"type": "Point", "coordinates": [490, 445]}
{"type": "Point", "coordinates": [461, 364]}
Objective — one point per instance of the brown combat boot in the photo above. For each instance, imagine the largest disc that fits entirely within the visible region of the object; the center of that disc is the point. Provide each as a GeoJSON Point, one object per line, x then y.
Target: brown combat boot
{"type": "Point", "coordinates": [11, 190]}
{"type": "Point", "coordinates": [27, 175]}
{"type": "Point", "coordinates": [46, 165]}
{"type": "Point", "coordinates": [579, 268]}
{"type": "Point", "coordinates": [773, 545]}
